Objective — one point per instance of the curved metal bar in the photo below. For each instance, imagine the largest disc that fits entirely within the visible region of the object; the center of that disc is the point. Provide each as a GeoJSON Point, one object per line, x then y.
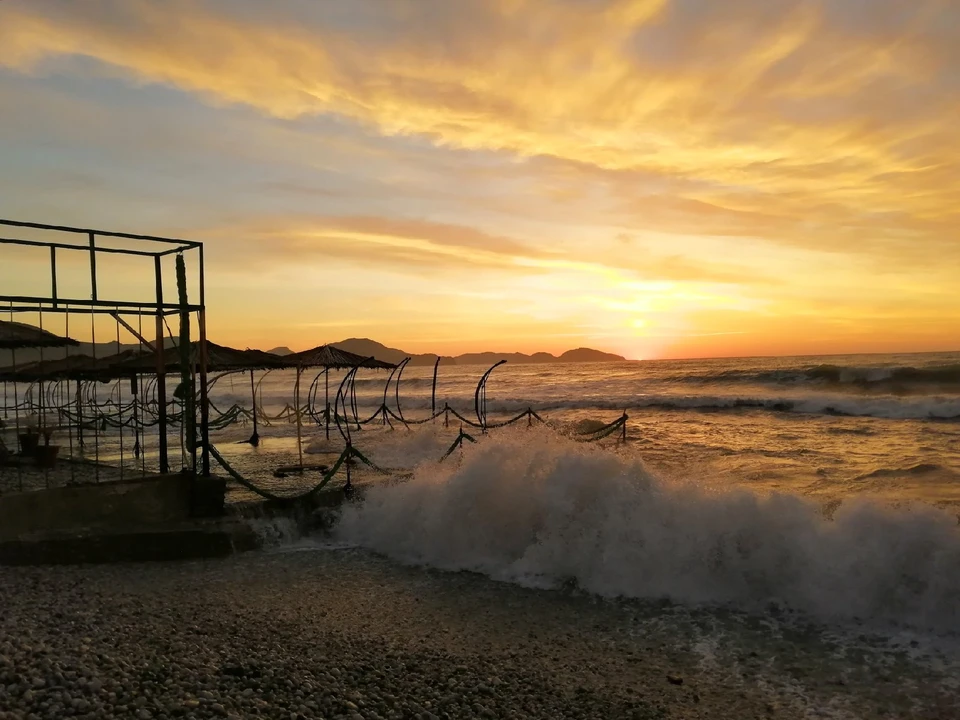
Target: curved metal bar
{"type": "Point", "coordinates": [312, 398]}
{"type": "Point", "coordinates": [346, 388]}
{"type": "Point", "coordinates": [353, 397]}
{"type": "Point", "coordinates": [341, 401]}
{"type": "Point", "coordinates": [386, 388]}
{"type": "Point", "coordinates": [400, 368]}
{"type": "Point", "coordinates": [480, 396]}
{"type": "Point", "coordinates": [217, 378]}
{"type": "Point", "coordinates": [433, 391]}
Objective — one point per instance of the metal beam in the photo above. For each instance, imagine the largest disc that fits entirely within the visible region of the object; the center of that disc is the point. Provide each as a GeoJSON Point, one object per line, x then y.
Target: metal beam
{"type": "Point", "coordinates": [86, 247]}
{"type": "Point", "coordinates": [102, 233]}
{"type": "Point", "coordinates": [110, 304]}
{"type": "Point", "coordinates": [130, 329]}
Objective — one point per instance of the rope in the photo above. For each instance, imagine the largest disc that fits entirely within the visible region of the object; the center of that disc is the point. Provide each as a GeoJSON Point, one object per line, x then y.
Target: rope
{"type": "Point", "coordinates": [351, 452]}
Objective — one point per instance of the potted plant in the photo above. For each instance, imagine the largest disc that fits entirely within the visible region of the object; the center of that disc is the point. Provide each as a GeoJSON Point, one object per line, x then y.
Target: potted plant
{"type": "Point", "coordinates": [46, 454]}
{"type": "Point", "coordinates": [29, 441]}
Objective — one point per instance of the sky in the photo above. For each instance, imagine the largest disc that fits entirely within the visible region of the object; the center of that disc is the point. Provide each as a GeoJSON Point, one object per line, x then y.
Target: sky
{"type": "Point", "coordinates": [655, 178]}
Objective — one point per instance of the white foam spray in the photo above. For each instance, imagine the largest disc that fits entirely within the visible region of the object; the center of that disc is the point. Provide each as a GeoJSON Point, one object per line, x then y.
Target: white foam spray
{"type": "Point", "coordinates": [542, 511]}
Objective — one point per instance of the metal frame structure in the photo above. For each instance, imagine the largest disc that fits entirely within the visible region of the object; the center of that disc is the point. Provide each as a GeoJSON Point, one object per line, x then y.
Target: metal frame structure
{"type": "Point", "coordinates": [142, 246]}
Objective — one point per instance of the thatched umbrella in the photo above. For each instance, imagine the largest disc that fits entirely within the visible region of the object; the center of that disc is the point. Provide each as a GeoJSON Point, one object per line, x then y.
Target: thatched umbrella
{"type": "Point", "coordinates": [16, 335]}
{"type": "Point", "coordinates": [220, 358]}
{"type": "Point", "coordinates": [72, 367]}
{"type": "Point", "coordinates": [329, 358]}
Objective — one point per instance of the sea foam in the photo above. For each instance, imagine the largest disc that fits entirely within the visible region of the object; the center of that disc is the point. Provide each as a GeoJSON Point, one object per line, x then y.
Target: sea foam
{"type": "Point", "coordinates": [544, 512]}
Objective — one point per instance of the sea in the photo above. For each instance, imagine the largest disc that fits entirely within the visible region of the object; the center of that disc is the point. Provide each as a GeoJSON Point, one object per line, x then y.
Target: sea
{"type": "Point", "coordinates": [828, 429]}
{"type": "Point", "coordinates": [830, 484]}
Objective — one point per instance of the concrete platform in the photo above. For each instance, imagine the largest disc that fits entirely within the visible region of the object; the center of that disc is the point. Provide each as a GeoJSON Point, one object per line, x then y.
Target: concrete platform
{"type": "Point", "coordinates": [127, 504]}
{"type": "Point", "coordinates": [209, 539]}
{"type": "Point", "coordinates": [163, 517]}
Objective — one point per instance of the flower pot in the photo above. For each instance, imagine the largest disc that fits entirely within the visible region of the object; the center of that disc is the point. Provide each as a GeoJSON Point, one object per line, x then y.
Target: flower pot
{"type": "Point", "coordinates": [29, 443]}
{"type": "Point", "coordinates": [46, 455]}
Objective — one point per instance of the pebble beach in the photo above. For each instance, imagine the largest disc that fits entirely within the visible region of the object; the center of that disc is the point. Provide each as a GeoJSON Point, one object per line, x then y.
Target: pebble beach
{"type": "Point", "coordinates": [322, 632]}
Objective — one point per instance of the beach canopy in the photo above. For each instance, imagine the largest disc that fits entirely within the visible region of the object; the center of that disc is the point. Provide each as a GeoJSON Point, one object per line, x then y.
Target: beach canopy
{"type": "Point", "coordinates": [220, 358]}
{"type": "Point", "coordinates": [74, 367]}
{"type": "Point", "coordinates": [16, 335]}
{"type": "Point", "coordinates": [330, 357]}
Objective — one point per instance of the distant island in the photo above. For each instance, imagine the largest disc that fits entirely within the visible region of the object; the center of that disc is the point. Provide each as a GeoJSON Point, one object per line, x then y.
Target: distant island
{"type": "Point", "coordinates": [371, 348]}
{"type": "Point", "coordinates": [282, 351]}
{"type": "Point", "coordinates": [360, 346]}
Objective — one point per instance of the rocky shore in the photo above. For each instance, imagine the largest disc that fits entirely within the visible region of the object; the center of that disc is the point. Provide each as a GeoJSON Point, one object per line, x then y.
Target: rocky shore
{"type": "Point", "coordinates": [326, 633]}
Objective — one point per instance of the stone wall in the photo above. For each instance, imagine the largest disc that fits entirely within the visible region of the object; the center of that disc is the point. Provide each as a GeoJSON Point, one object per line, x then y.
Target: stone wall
{"type": "Point", "coordinates": [113, 506]}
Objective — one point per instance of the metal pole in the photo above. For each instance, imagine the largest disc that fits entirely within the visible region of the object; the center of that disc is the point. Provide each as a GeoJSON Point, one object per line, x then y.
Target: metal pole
{"type": "Point", "coordinates": [161, 373]}
{"type": "Point", "coordinates": [120, 405]}
{"type": "Point", "coordinates": [16, 417]}
{"type": "Point", "coordinates": [53, 274]}
{"type": "Point", "coordinates": [93, 267]}
{"type": "Point", "coordinates": [188, 423]}
{"type": "Point", "coordinates": [204, 396]}
{"type": "Point", "coordinates": [255, 438]}
{"type": "Point", "coordinates": [433, 393]}
{"type": "Point", "coordinates": [296, 402]}
{"type": "Point", "coordinates": [326, 394]}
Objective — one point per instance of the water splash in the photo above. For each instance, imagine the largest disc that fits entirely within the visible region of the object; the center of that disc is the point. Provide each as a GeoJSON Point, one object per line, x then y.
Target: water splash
{"type": "Point", "coordinates": [544, 512]}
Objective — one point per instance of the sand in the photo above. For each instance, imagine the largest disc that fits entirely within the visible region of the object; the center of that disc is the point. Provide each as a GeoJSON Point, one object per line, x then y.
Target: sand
{"type": "Point", "coordinates": [323, 633]}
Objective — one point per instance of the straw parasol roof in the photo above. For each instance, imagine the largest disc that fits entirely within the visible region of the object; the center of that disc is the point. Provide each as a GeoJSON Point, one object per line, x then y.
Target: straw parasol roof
{"type": "Point", "coordinates": [16, 335]}
{"type": "Point", "coordinates": [220, 358]}
{"type": "Point", "coordinates": [74, 367]}
{"type": "Point", "coordinates": [328, 356]}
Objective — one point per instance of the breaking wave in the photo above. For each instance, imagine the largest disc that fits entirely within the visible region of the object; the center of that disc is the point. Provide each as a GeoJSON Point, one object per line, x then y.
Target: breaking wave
{"type": "Point", "coordinates": [893, 407]}
{"type": "Point", "coordinates": [545, 513]}
{"type": "Point", "coordinates": [868, 377]}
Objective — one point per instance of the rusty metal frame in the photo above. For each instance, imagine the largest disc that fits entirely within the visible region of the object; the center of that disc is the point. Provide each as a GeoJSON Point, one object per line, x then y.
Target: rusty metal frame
{"type": "Point", "coordinates": [153, 246]}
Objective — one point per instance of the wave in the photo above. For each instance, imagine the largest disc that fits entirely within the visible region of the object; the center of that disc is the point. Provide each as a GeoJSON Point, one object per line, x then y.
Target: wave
{"type": "Point", "coordinates": [867, 377]}
{"type": "Point", "coordinates": [912, 471]}
{"type": "Point", "coordinates": [544, 513]}
{"type": "Point", "coordinates": [899, 408]}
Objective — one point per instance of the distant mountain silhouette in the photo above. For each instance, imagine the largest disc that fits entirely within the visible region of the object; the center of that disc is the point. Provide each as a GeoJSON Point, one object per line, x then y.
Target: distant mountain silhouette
{"type": "Point", "coordinates": [361, 346]}
{"type": "Point", "coordinates": [585, 355]}
{"type": "Point", "coordinates": [371, 348]}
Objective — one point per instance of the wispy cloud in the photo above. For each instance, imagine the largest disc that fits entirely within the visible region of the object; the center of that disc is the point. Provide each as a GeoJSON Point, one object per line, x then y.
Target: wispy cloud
{"type": "Point", "coordinates": [809, 145]}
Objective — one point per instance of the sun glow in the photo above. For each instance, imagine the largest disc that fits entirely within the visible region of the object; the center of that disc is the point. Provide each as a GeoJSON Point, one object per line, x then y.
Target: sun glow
{"type": "Point", "coordinates": [680, 178]}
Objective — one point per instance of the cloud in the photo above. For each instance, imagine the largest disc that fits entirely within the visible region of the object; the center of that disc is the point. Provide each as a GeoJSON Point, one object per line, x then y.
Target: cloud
{"type": "Point", "coordinates": [416, 247]}
{"type": "Point", "coordinates": [801, 150]}
{"type": "Point", "coordinates": [785, 115]}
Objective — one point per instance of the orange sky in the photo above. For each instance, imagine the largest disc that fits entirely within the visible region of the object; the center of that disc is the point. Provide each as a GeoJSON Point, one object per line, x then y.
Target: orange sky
{"type": "Point", "coordinates": [657, 178]}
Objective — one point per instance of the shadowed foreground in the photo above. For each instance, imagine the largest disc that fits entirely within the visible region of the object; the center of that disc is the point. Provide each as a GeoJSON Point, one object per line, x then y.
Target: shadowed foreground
{"type": "Point", "coordinates": [343, 634]}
